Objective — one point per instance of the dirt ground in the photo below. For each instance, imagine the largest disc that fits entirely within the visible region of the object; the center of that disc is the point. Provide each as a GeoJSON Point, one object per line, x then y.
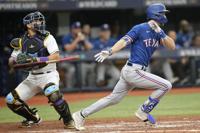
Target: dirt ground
{"type": "Point", "coordinates": [164, 125]}
{"type": "Point", "coordinates": [169, 124]}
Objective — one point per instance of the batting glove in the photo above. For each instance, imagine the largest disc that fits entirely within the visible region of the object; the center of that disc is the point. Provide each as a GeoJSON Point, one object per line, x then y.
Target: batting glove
{"type": "Point", "coordinates": [100, 57]}
{"type": "Point", "coordinates": [157, 28]}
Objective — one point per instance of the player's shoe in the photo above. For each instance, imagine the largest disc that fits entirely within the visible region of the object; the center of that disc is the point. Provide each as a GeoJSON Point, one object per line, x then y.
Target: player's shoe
{"type": "Point", "coordinates": [69, 125]}
{"type": "Point", "coordinates": [29, 123]}
{"type": "Point", "coordinates": [78, 121]}
{"type": "Point", "coordinates": [145, 117]}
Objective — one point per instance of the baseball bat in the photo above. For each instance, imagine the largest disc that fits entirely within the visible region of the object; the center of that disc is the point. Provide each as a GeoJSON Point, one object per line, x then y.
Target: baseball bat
{"type": "Point", "coordinates": [25, 65]}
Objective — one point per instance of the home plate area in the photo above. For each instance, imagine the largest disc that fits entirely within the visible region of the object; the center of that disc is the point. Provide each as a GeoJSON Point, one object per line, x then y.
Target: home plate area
{"type": "Point", "coordinates": [140, 127]}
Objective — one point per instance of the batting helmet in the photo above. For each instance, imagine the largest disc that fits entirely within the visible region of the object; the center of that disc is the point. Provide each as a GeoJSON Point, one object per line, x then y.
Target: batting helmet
{"type": "Point", "coordinates": [35, 17]}
{"type": "Point", "coordinates": [157, 12]}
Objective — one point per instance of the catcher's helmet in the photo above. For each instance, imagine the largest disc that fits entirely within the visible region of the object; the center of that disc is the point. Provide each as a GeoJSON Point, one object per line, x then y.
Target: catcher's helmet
{"type": "Point", "coordinates": [157, 12]}
{"type": "Point", "coordinates": [36, 16]}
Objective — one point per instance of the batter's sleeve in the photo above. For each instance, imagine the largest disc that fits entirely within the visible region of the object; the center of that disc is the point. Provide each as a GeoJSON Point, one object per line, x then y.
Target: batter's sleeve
{"type": "Point", "coordinates": [51, 44]}
{"type": "Point", "coordinates": [132, 35]}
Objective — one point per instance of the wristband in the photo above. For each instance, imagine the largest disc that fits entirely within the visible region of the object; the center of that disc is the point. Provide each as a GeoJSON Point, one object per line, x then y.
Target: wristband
{"type": "Point", "coordinates": [162, 34]}
{"type": "Point", "coordinates": [43, 59]}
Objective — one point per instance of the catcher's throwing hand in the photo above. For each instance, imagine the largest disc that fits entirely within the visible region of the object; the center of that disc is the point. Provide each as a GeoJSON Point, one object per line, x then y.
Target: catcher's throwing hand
{"type": "Point", "coordinates": [100, 57]}
{"type": "Point", "coordinates": [24, 58]}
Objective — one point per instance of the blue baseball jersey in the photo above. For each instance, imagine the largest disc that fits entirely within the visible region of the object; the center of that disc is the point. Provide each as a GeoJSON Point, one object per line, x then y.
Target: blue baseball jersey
{"type": "Point", "coordinates": [67, 39]}
{"type": "Point", "coordinates": [144, 41]}
{"type": "Point", "coordinates": [184, 39]}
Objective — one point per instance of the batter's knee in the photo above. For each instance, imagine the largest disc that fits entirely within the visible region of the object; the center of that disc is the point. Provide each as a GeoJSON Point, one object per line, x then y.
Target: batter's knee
{"type": "Point", "coordinates": [168, 85]}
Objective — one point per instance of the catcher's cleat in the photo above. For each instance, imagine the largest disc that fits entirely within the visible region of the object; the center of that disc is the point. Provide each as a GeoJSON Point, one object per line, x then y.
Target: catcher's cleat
{"type": "Point", "coordinates": [145, 117]}
{"type": "Point", "coordinates": [29, 123]}
{"type": "Point", "coordinates": [78, 121]}
{"type": "Point", "coordinates": [69, 125]}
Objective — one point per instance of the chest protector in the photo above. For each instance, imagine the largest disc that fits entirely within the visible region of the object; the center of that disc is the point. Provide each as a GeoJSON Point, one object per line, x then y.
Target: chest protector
{"type": "Point", "coordinates": [34, 46]}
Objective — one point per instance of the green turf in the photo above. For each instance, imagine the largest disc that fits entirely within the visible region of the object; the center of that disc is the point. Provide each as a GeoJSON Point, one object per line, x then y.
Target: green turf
{"type": "Point", "coordinates": [185, 104]}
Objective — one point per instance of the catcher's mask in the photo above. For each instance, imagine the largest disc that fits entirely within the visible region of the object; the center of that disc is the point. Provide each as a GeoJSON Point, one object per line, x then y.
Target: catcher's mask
{"type": "Point", "coordinates": [37, 20]}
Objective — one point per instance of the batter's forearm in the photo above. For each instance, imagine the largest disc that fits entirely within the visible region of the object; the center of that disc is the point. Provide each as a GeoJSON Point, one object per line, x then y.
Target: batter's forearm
{"type": "Point", "coordinates": [169, 43]}
{"type": "Point", "coordinates": [118, 46]}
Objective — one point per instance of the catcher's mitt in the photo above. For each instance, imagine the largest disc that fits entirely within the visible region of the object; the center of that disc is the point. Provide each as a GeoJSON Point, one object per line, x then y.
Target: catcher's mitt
{"type": "Point", "coordinates": [24, 58]}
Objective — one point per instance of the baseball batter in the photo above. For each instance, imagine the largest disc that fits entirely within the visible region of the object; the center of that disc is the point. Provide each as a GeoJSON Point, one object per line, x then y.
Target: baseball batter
{"type": "Point", "coordinates": [37, 44]}
{"type": "Point", "coordinates": [144, 39]}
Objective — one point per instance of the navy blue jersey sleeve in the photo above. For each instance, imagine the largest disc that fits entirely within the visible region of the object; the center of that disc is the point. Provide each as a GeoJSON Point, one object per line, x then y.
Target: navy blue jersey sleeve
{"type": "Point", "coordinates": [66, 40]}
{"type": "Point", "coordinates": [132, 35]}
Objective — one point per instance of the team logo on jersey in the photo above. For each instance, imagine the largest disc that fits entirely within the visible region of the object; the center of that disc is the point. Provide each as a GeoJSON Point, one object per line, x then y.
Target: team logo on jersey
{"type": "Point", "coordinates": [151, 42]}
{"type": "Point", "coordinates": [31, 46]}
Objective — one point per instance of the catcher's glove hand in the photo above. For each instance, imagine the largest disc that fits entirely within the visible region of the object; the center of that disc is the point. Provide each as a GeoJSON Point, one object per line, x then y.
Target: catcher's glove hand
{"type": "Point", "coordinates": [24, 58]}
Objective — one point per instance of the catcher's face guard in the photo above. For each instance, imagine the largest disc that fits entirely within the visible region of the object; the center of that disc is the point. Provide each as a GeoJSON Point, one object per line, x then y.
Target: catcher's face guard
{"type": "Point", "coordinates": [35, 21]}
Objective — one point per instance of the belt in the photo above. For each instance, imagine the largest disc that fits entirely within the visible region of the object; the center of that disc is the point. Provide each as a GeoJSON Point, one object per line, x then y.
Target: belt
{"type": "Point", "coordinates": [136, 65]}
{"type": "Point", "coordinates": [40, 73]}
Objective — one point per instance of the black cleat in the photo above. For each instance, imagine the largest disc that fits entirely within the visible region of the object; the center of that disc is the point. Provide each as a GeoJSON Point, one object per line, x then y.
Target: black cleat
{"type": "Point", "coordinates": [69, 125]}
{"type": "Point", "coordinates": [29, 123]}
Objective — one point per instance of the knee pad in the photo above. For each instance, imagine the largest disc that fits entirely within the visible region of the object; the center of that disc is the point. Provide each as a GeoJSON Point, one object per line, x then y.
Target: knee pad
{"type": "Point", "coordinates": [10, 99]}
{"type": "Point", "coordinates": [50, 89]}
{"type": "Point", "coordinates": [13, 98]}
{"type": "Point", "coordinates": [52, 92]}
{"type": "Point", "coordinates": [149, 105]}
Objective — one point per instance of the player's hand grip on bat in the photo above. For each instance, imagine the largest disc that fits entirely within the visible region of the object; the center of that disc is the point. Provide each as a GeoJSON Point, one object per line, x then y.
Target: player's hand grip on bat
{"type": "Point", "coordinates": [100, 57]}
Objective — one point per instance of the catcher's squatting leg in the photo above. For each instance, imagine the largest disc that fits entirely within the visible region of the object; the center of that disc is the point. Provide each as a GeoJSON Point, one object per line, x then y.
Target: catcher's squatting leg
{"type": "Point", "coordinates": [19, 107]}
{"type": "Point", "coordinates": [56, 99]}
{"type": "Point", "coordinates": [129, 80]}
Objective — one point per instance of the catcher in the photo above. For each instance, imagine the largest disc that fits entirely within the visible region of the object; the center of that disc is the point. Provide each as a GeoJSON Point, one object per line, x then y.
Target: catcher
{"type": "Point", "coordinates": [35, 45]}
